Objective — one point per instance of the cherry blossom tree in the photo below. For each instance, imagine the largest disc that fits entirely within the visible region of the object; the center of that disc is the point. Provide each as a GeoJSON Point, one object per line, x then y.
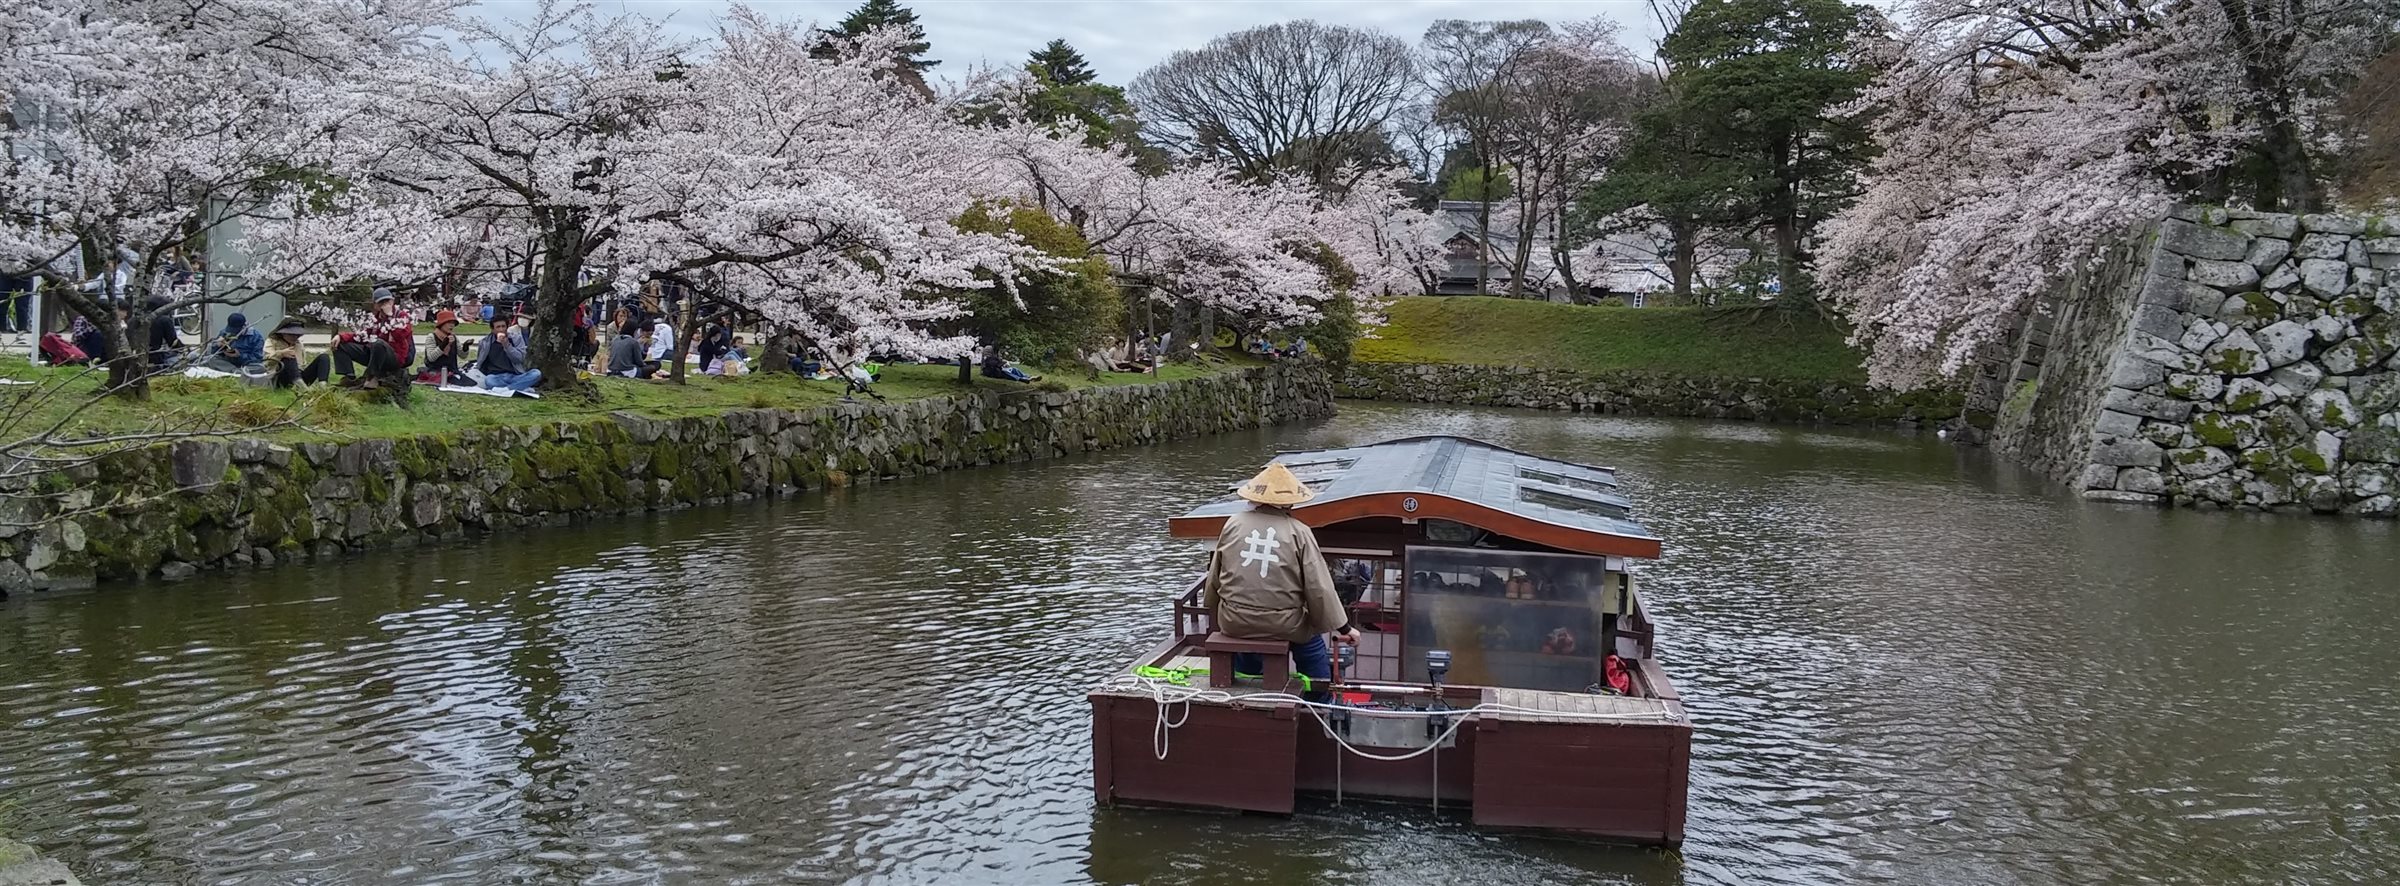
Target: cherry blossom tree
{"type": "Point", "coordinates": [1216, 244]}
{"type": "Point", "coordinates": [809, 187]}
{"type": "Point", "coordinates": [137, 129]}
{"type": "Point", "coordinates": [2011, 134]}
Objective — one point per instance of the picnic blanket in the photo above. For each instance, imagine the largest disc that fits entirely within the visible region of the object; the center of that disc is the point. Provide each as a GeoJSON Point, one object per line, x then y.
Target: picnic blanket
{"type": "Point", "coordinates": [489, 392]}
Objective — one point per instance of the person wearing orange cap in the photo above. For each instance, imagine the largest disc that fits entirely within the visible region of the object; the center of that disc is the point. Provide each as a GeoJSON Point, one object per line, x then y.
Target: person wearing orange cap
{"type": "Point", "coordinates": [1268, 580]}
{"type": "Point", "coordinates": [441, 355]}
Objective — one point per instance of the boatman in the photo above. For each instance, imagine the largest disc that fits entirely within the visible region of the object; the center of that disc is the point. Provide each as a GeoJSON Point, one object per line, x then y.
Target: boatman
{"type": "Point", "coordinates": [1268, 581]}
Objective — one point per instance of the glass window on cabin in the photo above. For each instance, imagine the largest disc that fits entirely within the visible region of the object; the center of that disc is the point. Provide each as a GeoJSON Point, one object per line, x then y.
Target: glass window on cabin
{"type": "Point", "coordinates": [1371, 586]}
{"type": "Point", "coordinates": [1517, 619]}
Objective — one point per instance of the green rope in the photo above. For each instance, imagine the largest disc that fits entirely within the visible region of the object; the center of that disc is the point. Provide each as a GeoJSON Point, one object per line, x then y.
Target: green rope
{"type": "Point", "coordinates": [1183, 676]}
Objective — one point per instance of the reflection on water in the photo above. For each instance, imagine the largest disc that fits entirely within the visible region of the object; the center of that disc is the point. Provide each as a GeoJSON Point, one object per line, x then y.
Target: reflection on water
{"type": "Point", "coordinates": [1907, 665]}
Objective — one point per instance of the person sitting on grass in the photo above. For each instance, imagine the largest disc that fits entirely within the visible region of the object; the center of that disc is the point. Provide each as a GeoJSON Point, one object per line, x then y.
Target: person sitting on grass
{"type": "Point", "coordinates": [381, 346]}
{"type": "Point", "coordinates": [236, 346]}
{"type": "Point", "coordinates": [504, 365]}
{"type": "Point", "coordinates": [166, 347]}
{"type": "Point", "coordinates": [662, 344]}
{"type": "Point", "coordinates": [625, 353]}
{"type": "Point", "coordinates": [94, 342]}
{"type": "Point", "coordinates": [290, 358]}
{"type": "Point", "coordinates": [442, 351]}
{"type": "Point", "coordinates": [994, 367]}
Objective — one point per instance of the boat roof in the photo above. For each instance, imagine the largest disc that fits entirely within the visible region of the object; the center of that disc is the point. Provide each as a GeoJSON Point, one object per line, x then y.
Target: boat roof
{"type": "Point", "coordinates": [1555, 503]}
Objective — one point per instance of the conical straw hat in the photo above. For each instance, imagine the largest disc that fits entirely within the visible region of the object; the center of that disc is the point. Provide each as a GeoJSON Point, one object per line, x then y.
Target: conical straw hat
{"type": "Point", "coordinates": [1276, 486]}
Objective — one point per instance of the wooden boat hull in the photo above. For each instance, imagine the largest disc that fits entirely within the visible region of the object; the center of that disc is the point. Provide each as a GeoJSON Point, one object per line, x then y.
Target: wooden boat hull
{"type": "Point", "coordinates": [1622, 782]}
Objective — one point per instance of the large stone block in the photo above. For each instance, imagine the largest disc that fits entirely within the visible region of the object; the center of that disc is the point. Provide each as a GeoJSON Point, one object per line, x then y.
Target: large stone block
{"type": "Point", "coordinates": [2235, 354]}
{"type": "Point", "coordinates": [2142, 480]}
{"type": "Point", "coordinates": [2282, 343]}
{"type": "Point", "coordinates": [2124, 452]}
{"type": "Point", "coordinates": [2323, 245]}
{"type": "Point", "coordinates": [2376, 394]}
{"type": "Point", "coordinates": [2248, 395]}
{"type": "Point", "coordinates": [2117, 424]}
{"type": "Point", "coordinates": [2329, 409]}
{"type": "Point", "coordinates": [200, 465]}
{"type": "Point", "coordinates": [2324, 277]}
{"type": "Point", "coordinates": [2146, 405]}
{"type": "Point", "coordinates": [2333, 224]}
{"type": "Point", "coordinates": [2378, 445]}
{"type": "Point", "coordinates": [2301, 376]}
{"type": "Point", "coordinates": [2198, 241]}
{"type": "Point", "coordinates": [2200, 461]}
{"type": "Point", "coordinates": [2200, 386]}
{"type": "Point", "coordinates": [2226, 276]}
{"type": "Point", "coordinates": [2273, 225]}
{"type": "Point", "coordinates": [2267, 252]}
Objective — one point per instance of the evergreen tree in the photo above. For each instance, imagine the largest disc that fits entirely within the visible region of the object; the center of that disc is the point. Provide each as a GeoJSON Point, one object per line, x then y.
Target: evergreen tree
{"type": "Point", "coordinates": [888, 14]}
{"type": "Point", "coordinates": [1060, 65]}
{"type": "Point", "coordinates": [1071, 91]}
{"type": "Point", "coordinates": [1739, 138]}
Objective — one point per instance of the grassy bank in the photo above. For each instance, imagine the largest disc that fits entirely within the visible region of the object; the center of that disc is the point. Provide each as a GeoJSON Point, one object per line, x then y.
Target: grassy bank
{"type": "Point", "coordinates": [1682, 341]}
{"type": "Point", "coordinates": [327, 413]}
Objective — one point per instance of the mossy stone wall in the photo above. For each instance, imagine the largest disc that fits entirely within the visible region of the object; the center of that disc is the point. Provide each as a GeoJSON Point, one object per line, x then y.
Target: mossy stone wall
{"type": "Point", "coordinates": [207, 504]}
{"type": "Point", "coordinates": [1640, 393]}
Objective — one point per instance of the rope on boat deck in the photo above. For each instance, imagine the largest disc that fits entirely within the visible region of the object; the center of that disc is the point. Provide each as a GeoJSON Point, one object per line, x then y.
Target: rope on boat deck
{"type": "Point", "coordinates": [1165, 694]}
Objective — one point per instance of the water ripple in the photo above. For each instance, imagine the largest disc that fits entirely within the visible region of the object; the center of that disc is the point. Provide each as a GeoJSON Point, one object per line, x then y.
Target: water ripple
{"type": "Point", "coordinates": [1906, 665]}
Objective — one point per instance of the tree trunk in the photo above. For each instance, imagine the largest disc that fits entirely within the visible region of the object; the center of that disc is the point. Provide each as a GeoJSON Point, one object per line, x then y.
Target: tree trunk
{"type": "Point", "coordinates": [2288, 181]}
{"type": "Point", "coordinates": [775, 355]}
{"type": "Point", "coordinates": [1562, 257]}
{"type": "Point", "coordinates": [1528, 224]}
{"type": "Point", "coordinates": [1207, 337]}
{"type": "Point", "coordinates": [1179, 330]}
{"type": "Point", "coordinates": [128, 367]}
{"type": "Point", "coordinates": [551, 347]}
{"type": "Point", "coordinates": [683, 336]}
{"type": "Point", "coordinates": [1686, 236]}
{"type": "Point", "coordinates": [1483, 231]}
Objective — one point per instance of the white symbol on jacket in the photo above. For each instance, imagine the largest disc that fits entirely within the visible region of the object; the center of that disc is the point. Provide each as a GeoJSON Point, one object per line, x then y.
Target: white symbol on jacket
{"type": "Point", "coordinates": [1260, 549]}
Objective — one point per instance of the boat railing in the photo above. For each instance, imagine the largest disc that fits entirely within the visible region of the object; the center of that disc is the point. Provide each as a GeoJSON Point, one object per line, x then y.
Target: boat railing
{"type": "Point", "coordinates": [1191, 618]}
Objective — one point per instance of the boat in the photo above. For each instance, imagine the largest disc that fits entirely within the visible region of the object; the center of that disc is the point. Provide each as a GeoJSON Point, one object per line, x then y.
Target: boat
{"type": "Point", "coordinates": [1505, 663]}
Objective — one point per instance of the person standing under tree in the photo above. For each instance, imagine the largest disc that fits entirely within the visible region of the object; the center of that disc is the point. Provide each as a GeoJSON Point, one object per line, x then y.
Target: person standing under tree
{"type": "Point", "coordinates": [1267, 579]}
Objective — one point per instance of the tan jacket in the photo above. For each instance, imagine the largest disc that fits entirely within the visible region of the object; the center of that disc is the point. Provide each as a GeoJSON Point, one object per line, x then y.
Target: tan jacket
{"type": "Point", "coordinates": [1268, 581]}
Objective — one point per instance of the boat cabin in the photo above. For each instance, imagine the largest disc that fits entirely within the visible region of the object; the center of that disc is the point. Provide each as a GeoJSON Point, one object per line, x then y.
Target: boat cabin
{"type": "Point", "coordinates": [1493, 596]}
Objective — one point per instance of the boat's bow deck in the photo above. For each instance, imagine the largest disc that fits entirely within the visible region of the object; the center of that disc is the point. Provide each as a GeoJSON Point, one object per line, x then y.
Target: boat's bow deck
{"type": "Point", "coordinates": [1537, 706]}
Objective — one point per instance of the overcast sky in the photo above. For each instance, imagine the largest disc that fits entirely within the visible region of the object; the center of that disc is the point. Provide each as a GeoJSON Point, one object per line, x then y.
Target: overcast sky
{"type": "Point", "coordinates": [1125, 37]}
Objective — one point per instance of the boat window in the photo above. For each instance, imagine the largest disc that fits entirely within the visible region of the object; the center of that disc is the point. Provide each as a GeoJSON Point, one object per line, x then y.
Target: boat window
{"type": "Point", "coordinates": [1541, 476]}
{"type": "Point", "coordinates": [1318, 473]}
{"type": "Point", "coordinates": [1517, 619]}
{"type": "Point", "coordinates": [1565, 502]}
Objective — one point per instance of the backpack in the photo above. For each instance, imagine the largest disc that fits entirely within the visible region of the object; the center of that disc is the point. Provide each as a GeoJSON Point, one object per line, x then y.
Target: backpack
{"type": "Point", "coordinates": [61, 352]}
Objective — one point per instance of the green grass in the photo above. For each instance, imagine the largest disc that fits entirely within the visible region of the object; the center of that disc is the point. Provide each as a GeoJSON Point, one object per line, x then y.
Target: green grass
{"type": "Point", "coordinates": [328, 413]}
{"type": "Point", "coordinates": [463, 330]}
{"type": "Point", "coordinates": [1686, 341]}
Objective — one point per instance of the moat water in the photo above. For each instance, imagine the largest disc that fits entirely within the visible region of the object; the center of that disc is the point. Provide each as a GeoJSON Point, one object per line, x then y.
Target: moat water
{"type": "Point", "coordinates": [1906, 664]}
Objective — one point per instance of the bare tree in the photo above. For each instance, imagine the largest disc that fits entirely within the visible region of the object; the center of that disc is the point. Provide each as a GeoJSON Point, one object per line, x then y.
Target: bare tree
{"type": "Point", "coordinates": [1299, 97]}
{"type": "Point", "coordinates": [1466, 65]}
{"type": "Point", "coordinates": [1566, 103]}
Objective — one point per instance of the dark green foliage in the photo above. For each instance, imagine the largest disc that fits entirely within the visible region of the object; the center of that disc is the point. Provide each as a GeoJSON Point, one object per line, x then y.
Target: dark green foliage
{"type": "Point", "coordinates": [886, 14]}
{"type": "Point", "coordinates": [1059, 64]}
{"type": "Point", "coordinates": [1470, 183]}
{"type": "Point", "coordinates": [1333, 334]}
{"type": "Point", "coordinates": [1070, 91]}
{"type": "Point", "coordinates": [1739, 136]}
{"type": "Point", "coordinates": [1062, 313]}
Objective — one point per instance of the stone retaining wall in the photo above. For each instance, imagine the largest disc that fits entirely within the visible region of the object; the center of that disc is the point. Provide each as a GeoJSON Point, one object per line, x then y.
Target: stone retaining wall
{"type": "Point", "coordinates": [254, 502]}
{"type": "Point", "coordinates": [1640, 393]}
{"type": "Point", "coordinates": [2250, 362]}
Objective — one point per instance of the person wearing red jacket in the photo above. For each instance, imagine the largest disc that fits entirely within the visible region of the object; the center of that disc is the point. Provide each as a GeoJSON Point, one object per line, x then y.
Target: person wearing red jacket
{"type": "Point", "coordinates": [382, 345]}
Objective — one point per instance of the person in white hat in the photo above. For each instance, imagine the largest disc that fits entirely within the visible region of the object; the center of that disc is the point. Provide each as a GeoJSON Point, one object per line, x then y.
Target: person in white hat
{"type": "Point", "coordinates": [1267, 579]}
